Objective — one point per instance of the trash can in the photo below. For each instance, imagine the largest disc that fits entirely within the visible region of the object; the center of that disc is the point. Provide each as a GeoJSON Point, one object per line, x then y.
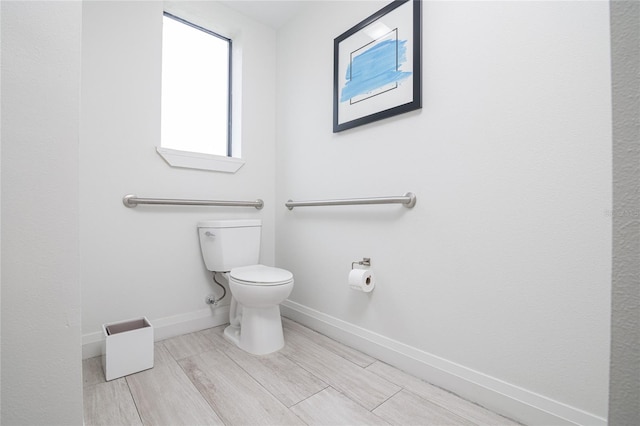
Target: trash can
{"type": "Point", "coordinates": [127, 348]}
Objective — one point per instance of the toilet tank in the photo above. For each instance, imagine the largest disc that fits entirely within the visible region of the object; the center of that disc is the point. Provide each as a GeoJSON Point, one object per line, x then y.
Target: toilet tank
{"type": "Point", "coordinates": [227, 244]}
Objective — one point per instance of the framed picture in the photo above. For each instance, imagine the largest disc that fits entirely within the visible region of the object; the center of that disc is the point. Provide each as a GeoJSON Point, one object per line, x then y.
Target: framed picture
{"type": "Point", "coordinates": [376, 70]}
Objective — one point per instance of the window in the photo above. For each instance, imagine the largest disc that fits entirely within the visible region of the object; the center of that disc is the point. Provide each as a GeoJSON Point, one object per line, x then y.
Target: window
{"type": "Point", "coordinates": [196, 90]}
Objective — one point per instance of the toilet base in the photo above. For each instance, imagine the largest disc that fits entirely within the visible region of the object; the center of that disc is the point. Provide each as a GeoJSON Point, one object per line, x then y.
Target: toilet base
{"type": "Point", "coordinates": [232, 334]}
{"type": "Point", "coordinates": [260, 330]}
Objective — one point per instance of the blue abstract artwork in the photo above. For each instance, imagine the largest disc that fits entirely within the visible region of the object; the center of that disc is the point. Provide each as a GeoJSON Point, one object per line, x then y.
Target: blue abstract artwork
{"type": "Point", "coordinates": [375, 68]}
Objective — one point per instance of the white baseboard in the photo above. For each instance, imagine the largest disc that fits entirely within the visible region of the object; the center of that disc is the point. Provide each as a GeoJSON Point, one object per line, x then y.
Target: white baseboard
{"type": "Point", "coordinates": [164, 328]}
{"type": "Point", "coordinates": [504, 398]}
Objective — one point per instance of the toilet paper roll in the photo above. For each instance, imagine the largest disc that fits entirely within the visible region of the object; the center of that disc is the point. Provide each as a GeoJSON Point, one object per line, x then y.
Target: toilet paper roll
{"type": "Point", "coordinates": [362, 280]}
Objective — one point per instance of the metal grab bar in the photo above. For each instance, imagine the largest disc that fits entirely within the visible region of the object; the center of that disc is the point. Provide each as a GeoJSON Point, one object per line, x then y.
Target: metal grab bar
{"type": "Point", "coordinates": [132, 200]}
{"type": "Point", "coordinates": [408, 200]}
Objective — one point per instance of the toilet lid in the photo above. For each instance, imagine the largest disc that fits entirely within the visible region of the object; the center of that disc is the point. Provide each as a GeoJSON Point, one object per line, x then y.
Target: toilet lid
{"type": "Point", "coordinates": [261, 275]}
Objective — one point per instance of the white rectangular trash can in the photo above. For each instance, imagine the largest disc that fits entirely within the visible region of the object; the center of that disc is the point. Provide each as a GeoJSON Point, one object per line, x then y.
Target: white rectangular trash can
{"type": "Point", "coordinates": [127, 348]}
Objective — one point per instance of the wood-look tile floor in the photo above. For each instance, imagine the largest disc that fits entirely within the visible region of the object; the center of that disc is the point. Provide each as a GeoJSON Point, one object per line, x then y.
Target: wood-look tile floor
{"type": "Point", "coordinates": [201, 379]}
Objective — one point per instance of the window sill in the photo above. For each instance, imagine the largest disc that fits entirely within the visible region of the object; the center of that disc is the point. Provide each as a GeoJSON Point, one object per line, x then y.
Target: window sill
{"type": "Point", "coordinates": [195, 160]}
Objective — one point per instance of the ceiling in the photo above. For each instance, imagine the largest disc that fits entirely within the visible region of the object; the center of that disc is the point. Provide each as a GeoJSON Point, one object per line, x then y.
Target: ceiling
{"type": "Point", "coordinates": [273, 13]}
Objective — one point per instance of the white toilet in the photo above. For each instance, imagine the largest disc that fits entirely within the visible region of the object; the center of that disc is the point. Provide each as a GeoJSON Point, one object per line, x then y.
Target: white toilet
{"type": "Point", "coordinates": [233, 247]}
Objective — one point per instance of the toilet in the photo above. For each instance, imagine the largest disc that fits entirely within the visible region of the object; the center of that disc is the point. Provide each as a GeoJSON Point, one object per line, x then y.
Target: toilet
{"type": "Point", "coordinates": [232, 247]}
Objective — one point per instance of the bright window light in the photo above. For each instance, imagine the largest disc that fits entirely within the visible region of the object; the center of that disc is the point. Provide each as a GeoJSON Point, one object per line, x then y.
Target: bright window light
{"type": "Point", "coordinates": [196, 97]}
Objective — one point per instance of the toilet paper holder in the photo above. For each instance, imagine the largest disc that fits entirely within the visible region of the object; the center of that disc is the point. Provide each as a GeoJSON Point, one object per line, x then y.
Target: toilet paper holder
{"type": "Point", "coordinates": [366, 261]}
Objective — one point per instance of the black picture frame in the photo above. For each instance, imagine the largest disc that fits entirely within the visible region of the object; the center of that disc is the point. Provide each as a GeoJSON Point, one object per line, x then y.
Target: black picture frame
{"type": "Point", "coordinates": [375, 91]}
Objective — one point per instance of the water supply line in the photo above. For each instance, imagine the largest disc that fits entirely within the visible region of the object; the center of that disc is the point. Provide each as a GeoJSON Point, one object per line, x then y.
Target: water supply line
{"type": "Point", "coordinates": [235, 310]}
{"type": "Point", "coordinates": [214, 301]}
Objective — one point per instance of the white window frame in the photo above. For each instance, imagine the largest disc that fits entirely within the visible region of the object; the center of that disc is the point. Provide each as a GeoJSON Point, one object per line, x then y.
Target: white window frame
{"type": "Point", "coordinates": [200, 161]}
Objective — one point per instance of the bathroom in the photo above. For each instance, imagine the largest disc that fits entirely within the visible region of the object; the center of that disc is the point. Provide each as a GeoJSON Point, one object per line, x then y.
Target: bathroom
{"type": "Point", "coordinates": [500, 278]}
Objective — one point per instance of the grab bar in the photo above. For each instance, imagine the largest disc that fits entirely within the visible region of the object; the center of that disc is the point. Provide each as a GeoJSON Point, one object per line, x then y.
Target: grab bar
{"type": "Point", "coordinates": [408, 200]}
{"type": "Point", "coordinates": [132, 200]}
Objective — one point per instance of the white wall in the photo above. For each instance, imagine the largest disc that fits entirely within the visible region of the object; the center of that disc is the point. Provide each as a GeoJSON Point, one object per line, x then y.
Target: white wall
{"type": "Point", "coordinates": [503, 268]}
{"type": "Point", "coordinates": [41, 374]}
{"type": "Point", "coordinates": [147, 261]}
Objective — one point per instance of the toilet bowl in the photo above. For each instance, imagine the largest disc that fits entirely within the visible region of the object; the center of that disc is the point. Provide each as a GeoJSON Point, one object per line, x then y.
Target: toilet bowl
{"type": "Point", "coordinates": [232, 247]}
{"type": "Point", "coordinates": [258, 291]}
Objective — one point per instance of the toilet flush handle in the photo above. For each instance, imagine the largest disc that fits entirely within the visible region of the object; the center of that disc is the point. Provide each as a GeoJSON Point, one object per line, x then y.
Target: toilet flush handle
{"type": "Point", "coordinates": [209, 234]}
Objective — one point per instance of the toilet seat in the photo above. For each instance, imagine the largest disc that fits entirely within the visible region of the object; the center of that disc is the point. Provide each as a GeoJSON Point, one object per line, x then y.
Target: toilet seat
{"type": "Point", "coordinates": [260, 275]}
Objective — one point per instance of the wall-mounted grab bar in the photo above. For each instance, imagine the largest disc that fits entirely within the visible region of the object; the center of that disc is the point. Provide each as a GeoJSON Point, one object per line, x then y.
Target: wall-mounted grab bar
{"type": "Point", "coordinates": [132, 200]}
{"type": "Point", "coordinates": [408, 200]}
